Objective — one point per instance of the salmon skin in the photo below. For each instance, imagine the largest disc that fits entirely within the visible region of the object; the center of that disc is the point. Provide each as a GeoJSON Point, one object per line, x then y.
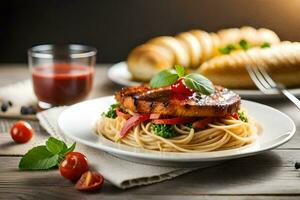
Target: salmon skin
{"type": "Point", "coordinates": [143, 99]}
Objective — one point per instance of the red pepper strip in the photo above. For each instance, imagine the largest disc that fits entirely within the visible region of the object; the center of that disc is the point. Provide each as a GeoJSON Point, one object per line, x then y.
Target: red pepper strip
{"type": "Point", "coordinates": [176, 120]}
{"type": "Point", "coordinates": [133, 121]}
{"type": "Point", "coordinates": [202, 123]}
{"type": "Point", "coordinates": [154, 116]}
{"type": "Point", "coordinates": [235, 116]}
{"type": "Point", "coordinates": [122, 114]}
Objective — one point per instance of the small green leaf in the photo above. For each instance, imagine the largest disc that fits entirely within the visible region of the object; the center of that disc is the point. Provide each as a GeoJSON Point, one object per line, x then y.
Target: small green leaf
{"type": "Point", "coordinates": [164, 78]}
{"type": "Point", "coordinates": [199, 83]}
{"type": "Point", "coordinates": [265, 45]}
{"type": "Point", "coordinates": [179, 70]}
{"type": "Point", "coordinates": [54, 145]}
{"type": "Point", "coordinates": [38, 158]}
{"type": "Point", "coordinates": [111, 113]}
{"type": "Point", "coordinates": [243, 116]}
{"type": "Point", "coordinates": [65, 148]}
{"type": "Point", "coordinates": [68, 150]}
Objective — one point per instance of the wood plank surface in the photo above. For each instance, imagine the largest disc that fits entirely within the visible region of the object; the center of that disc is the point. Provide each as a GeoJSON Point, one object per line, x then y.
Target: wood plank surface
{"type": "Point", "coordinates": [272, 173]}
{"type": "Point", "coordinates": [266, 176]}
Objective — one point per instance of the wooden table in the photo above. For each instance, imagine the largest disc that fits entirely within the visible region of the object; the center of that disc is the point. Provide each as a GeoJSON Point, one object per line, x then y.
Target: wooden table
{"type": "Point", "coordinates": [266, 176]}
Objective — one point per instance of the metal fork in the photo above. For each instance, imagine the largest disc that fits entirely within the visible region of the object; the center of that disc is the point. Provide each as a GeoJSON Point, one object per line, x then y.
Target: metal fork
{"type": "Point", "coordinates": [267, 85]}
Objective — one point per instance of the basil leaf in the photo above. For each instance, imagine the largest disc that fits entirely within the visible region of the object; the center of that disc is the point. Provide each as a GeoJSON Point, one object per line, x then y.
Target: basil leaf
{"type": "Point", "coordinates": [180, 70]}
{"type": "Point", "coordinates": [65, 148]}
{"type": "Point", "coordinates": [38, 158]}
{"type": "Point", "coordinates": [199, 83]}
{"type": "Point", "coordinates": [68, 150]}
{"type": "Point", "coordinates": [54, 145]}
{"type": "Point", "coordinates": [164, 78]}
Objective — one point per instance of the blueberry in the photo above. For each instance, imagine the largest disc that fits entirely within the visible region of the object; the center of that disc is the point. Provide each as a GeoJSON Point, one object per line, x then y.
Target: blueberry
{"type": "Point", "coordinates": [4, 107]}
{"type": "Point", "coordinates": [28, 110]}
{"type": "Point", "coordinates": [24, 110]}
{"type": "Point", "coordinates": [31, 110]}
{"type": "Point", "coordinates": [297, 165]}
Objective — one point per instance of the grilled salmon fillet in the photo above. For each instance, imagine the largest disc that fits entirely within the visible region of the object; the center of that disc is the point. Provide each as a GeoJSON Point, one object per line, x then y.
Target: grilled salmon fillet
{"type": "Point", "coordinates": [143, 99]}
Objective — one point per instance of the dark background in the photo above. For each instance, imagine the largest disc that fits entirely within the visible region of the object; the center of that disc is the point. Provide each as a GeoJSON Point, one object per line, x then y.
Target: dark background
{"type": "Point", "coordinates": [116, 26]}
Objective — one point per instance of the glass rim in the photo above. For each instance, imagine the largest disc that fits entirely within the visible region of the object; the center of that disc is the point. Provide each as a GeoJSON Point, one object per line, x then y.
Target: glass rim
{"type": "Point", "coordinates": [42, 51]}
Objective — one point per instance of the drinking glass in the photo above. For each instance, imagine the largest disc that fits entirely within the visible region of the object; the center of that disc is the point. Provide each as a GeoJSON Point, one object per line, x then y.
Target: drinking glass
{"type": "Point", "coordinates": [61, 74]}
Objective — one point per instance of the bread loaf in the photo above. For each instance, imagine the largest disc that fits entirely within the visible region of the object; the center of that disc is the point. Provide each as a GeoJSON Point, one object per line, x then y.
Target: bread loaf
{"type": "Point", "coordinates": [282, 61]}
{"type": "Point", "coordinates": [189, 49]}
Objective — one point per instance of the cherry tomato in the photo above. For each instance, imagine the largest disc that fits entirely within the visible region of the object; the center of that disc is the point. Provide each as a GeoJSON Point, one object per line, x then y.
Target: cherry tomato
{"type": "Point", "coordinates": [73, 166]}
{"type": "Point", "coordinates": [180, 88]}
{"type": "Point", "coordinates": [90, 181]}
{"type": "Point", "coordinates": [21, 132]}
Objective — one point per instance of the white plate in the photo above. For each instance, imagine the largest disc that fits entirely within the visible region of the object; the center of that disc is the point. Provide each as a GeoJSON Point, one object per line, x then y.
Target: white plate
{"type": "Point", "coordinates": [76, 123]}
{"type": "Point", "coordinates": [119, 74]}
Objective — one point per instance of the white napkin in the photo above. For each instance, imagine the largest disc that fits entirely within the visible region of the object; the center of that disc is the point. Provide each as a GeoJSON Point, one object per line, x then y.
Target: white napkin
{"type": "Point", "coordinates": [121, 173]}
{"type": "Point", "coordinates": [21, 94]}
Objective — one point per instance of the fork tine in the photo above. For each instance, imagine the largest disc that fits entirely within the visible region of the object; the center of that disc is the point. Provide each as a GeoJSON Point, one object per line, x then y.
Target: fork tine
{"type": "Point", "coordinates": [261, 78]}
{"type": "Point", "coordinates": [267, 77]}
{"type": "Point", "coordinates": [255, 79]}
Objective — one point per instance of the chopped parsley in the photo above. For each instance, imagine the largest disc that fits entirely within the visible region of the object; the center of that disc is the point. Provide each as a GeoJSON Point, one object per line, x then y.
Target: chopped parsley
{"type": "Point", "coordinates": [111, 113]}
{"type": "Point", "coordinates": [244, 44]}
{"type": "Point", "coordinates": [265, 45]}
{"type": "Point", "coordinates": [163, 130]}
{"type": "Point", "coordinates": [242, 116]}
{"type": "Point", "coordinates": [228, 49]}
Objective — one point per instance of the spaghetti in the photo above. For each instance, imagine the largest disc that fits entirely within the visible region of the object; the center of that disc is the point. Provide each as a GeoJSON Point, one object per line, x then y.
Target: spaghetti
{"type": "Point", "coordinates": [225, 133]}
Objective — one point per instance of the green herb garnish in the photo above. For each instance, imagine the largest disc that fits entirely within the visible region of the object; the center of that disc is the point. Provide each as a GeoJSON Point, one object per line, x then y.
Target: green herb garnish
{"type": "Point", "coordinates": [265, 45]}
{"type": "Point", "coordinates": [164, 78]}
{"type": "Point", "coordinates": [193, 81]}
{"type": "Point", "coordinates": [199, 83]}
{"type": "Point", "coordinates": [45, 156]}
{"type": "Point", "coordinates": [163, 130]}
{"type": "Point", "coordinates": [179, 70]}
{"type": "Point", "coordinates": [244, 44]}
{"type": "Point", "coordinates": [228, 49]}
{"type": "Point", "coordinates": [190, 125]}
{"type": "Point", "coordinates": [111, 113]}
{"type": "Point", "coordinates": [242, 116]}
